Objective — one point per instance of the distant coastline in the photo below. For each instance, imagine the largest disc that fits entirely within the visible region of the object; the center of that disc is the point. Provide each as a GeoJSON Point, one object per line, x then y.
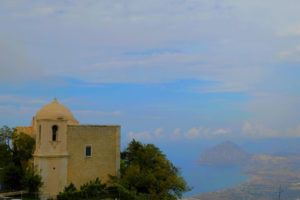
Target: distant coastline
{"type": "Point", "coordinates": [259, 178]}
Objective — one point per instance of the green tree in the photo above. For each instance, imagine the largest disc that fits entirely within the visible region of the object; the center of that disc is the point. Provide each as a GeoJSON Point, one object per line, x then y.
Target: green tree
{"type": "Point", "coordinates": [12, 177]}
{"type": "Point", "coordinates": [23, 148]}
{"type": "Point", "coordinates": [16, 151]}
{"type": "Point", "coordinates": [70, 193]}
{"type": "Point", "coordinates": [6, 135]}
{"type": "Point", "coordinates": [146, 173]}
{"type": "Point", "coordinates": [31, 180]}
{"type": "Point", "coordinates": [91, 190]}
{"type": "Point", "coordinates": [5, 153]}
{"type": "Point", "coordinates": [5, 159]}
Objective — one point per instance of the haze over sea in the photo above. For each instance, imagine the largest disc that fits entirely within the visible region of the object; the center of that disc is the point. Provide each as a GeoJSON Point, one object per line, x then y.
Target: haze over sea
{"type": "Point", "coordinates": [204, 178]}
{"type": "Point", "coordinates": [211, 178]}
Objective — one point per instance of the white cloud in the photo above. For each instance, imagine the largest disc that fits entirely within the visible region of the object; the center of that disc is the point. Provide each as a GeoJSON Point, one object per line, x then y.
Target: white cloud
{"type": "Point", "coordinates": [176, 134]}
{"type": "Point", "coordinates": [290, 31]}
{"type": "Point", "coordinates": [294, 131]}
{"type": "Point", "coordinates": [155, 134]}
{"type": "Point", "coordinates": [255, 130]}
{"type": "Point", "coordinates": [230, 43]}
{"type": "Point", "coordinates": [292, 54]}
{"type": "Point", "coordinates": [111, 29]}
{"type": "Point", "coordinates": [134, 68]}
{"type": "Point", "coordinates": [258, 131]}
{"type": "Point", "coordinates": [193, 133]}
{"type": "Point", "coordinates": [158, 133]}
{"type": "Point", "coordinates": [205, 132]}
{"type": "Point", "coordinates": [16, 65]}
{"type": "Point", "coordinates": [141, 136]}
{"type": "Point", "coordinates": [221, 132]}
{"type": "Point", "coordinates": [277, 108]}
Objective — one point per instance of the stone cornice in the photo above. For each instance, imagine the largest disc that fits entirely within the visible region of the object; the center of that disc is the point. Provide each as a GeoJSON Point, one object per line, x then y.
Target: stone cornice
{"type": "Point", "coordinates": [50, 156]}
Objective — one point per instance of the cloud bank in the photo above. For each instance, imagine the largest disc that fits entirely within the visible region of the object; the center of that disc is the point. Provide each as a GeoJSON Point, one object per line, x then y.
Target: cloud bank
{"type": "Point", "coordinates": [243, 47]}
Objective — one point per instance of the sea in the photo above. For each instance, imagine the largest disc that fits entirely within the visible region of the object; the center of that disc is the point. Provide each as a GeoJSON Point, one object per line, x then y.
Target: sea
{"type": "Point", "coordinates": [202, 178]}
{"type": "Point", "coordinates": [205, 178]}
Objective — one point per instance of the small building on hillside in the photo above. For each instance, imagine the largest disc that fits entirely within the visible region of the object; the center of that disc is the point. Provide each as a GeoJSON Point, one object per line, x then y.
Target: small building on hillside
{"type": "Point", "coordinates": [67, 152]}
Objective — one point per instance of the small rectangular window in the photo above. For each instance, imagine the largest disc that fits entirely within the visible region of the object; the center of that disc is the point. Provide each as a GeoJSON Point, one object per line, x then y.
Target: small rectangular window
{"type": "Point", "coordinates": [88, 151]}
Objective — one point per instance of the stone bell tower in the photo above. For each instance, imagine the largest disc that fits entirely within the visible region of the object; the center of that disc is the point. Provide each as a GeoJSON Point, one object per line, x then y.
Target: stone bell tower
{"type": "Point", "coordinates": [51, 155]}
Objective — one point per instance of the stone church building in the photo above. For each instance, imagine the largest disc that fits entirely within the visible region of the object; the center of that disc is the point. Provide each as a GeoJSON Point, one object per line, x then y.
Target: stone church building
{"type": "Point", "coordinates": [68, 152]}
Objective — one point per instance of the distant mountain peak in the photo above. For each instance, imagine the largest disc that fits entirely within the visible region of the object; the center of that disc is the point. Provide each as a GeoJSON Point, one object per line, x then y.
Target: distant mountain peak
{"type": "Point", "coordinates": [228, 144]}
{"type": "Point", "coordinates": [225, 153]}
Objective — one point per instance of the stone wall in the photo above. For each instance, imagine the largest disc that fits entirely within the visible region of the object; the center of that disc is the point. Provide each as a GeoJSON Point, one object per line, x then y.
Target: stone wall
{"type": "Point", "coordinates": [105, 158]}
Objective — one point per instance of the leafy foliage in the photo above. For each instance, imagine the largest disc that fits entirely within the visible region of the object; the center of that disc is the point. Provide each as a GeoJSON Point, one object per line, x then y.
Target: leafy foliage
{"type": "Point", "coordinates": [70, 192]}
{"type": "Point", "coordinates": [31, 180]}
{"type": "Point", "coordinates": [146, 173]}
{"type": "Point", "coordinates": [70, 188]}
{"type": "Point", "coordinates": [5, 135]}
{"type": "Point", "coordinates": [91, 190]}
{"type": "Point", "coordinates": [16, 151]}
{"type": "Point", "coordinates": [23, 148]}
{"type": "Point", "coordinates": [12, 177]}
{"type": "Point", "coordinates": [5, 155]}
{"type": "Point", "coordinates": [8, 171]}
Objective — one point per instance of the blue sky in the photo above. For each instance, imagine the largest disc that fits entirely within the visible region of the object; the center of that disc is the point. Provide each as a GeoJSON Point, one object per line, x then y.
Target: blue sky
{"type": "Point", "coordinates": [166, 71]}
